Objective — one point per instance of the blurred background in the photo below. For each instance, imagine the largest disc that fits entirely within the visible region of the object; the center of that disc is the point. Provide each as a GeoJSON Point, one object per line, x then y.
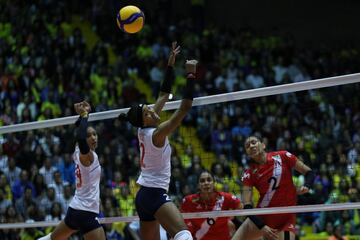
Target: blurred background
{"type": "Point", "coordinates": [56, 53]}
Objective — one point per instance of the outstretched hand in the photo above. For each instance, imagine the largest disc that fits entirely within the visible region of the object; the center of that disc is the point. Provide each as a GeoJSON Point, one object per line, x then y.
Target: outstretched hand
{"type": "Point", "coordinates": [175, 50]}
{"type": "Point", "coordinates": [190, 66]}
{"type": "Point", "coordinates": [82, 108]}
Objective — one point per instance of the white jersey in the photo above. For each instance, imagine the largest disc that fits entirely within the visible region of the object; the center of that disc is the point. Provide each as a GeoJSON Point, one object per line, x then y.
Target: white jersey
{"type": "Point", "coordinates": [87, 194]}
{"type": "Point", "coordinates": [154, 161]}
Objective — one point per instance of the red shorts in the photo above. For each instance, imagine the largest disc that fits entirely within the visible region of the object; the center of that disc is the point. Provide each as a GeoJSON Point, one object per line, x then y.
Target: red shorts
{"type": "Point", "coordinates": [281, 222]}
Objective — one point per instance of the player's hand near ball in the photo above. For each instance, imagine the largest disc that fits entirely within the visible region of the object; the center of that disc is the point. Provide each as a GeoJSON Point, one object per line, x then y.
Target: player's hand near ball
{"type": "Point", "coordinates": [175, 50]}
{"type": "Point", "coordinates": [83, 108]}
{"type": "Point", "coordinates": [190, 68]}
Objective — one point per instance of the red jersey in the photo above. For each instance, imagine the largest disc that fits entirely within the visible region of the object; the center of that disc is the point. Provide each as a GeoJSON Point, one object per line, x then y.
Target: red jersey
{"type": "Point", "coordinates": [274, 182]}
{"type": "Point", "coordinates": [210, 228]}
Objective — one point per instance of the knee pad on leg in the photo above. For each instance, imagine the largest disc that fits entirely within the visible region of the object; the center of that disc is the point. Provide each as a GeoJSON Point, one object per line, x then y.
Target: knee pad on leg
{"type": "Point", "coordinates": [183, 235]}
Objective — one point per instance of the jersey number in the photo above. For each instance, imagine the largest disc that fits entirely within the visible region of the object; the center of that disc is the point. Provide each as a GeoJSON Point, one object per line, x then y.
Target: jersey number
{"type": "Point", "coordinates": [273, 182]}
{"type": "Point", "coordinates": [78, 176]}
{"type": "Point", "coordinates": [142, 155]}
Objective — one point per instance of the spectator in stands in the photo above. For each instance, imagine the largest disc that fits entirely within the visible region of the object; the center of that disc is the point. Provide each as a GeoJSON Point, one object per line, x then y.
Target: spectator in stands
{"type": "Point", "coordinates": [4, 203]}
{"type": "Point", "coordinates": [3, 159]}
{"type": "Point", "coordinates": [67, 197]}
{"type": "Point", "coordinates": [47, 171]}
{"type": "Point", "coordinates": [19, 186]}
{"type": "Point", "coordinates": [11, 216]}
{"type": "Point", "coordinates": [66, 168]}
{"type": "Point", "coordinates": [55, 213]}
{"type": "Point", "coordinates": [58, 184]}
{"type": "Point", "coordinates": [5, 186]}
{"type": "Point", "coordinates": [12, 172]}
{"type": "Point", "coordinates": [24, 202]}
{"type": "Point", "coordinates": [39, 184]}
{"type": "Point", "coordinates": [338, 233]}
{"type": "Point", "coordinates": [48, 200]}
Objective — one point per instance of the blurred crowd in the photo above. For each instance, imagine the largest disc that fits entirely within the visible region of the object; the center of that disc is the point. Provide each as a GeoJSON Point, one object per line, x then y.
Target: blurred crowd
{"type": "Point", "coordinates": [46, 66]}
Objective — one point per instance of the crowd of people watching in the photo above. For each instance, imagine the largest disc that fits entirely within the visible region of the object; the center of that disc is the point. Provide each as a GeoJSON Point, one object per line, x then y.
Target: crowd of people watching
{"type": "Point", "coordinates": [46, 66]}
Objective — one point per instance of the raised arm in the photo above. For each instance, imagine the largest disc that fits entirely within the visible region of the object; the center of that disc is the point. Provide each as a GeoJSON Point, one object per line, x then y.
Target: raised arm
{"type": "Point", "coordinates": [167, 83]}
{"type": "Point", "coordinates": [167, 127]}
{"type": "Point", "coordinates": [86, 155]}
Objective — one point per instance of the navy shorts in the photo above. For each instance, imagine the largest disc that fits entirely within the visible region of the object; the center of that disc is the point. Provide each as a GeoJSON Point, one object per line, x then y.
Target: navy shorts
{"type": "Point", "coordinates": [82, 221]}
{"type": "Point", "coordinates": [148, 201]}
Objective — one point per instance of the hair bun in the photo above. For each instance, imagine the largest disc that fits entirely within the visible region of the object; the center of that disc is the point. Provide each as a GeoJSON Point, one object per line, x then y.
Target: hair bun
{"type": "Point", "coordinates": [123, 117]}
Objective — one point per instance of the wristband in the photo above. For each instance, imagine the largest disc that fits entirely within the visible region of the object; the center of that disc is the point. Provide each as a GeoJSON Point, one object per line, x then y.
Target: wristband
{"type": "Point", "coordinates": [169, 80]}
{"type": "Point", "coordinates": [189, 87]}
{"type": "Point", "coordinates": [81, 134]}
{"type": "Point", "coordinates": [309, 179]}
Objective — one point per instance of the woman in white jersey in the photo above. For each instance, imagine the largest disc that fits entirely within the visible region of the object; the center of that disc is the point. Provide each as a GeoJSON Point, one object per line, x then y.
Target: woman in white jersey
{"type": "Point", "coordinates": [84, 207]}
{"type": "Point", "coordinates": [153, 205]}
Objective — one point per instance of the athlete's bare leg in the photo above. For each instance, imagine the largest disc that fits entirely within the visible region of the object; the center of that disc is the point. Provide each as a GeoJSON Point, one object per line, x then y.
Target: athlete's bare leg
{"type": "Point", "coordinates": [149, 230]}
{"type": "Point", "coordinates": [248, 230]}
{"type": "Point", "coordinates": [170, 218]}
{"type": "Point", "coordinates": [97, 233]}
{"type": "Point", "coordinates": [62, 232]}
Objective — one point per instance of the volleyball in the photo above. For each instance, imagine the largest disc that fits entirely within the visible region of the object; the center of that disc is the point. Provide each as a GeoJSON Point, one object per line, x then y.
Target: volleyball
{"type": "Point", "coordinates": [130, 19]}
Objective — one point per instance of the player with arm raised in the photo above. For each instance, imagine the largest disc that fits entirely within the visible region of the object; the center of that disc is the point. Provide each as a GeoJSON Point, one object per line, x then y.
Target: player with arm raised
{"type": "Point", "coordinates": [84, 207]}
{"type": "Point", "coordinates": [153, 205]}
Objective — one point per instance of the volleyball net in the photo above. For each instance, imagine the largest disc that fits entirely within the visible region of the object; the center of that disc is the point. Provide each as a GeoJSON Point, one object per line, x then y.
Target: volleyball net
{"type": "Point", "coordinates": [317, 120]}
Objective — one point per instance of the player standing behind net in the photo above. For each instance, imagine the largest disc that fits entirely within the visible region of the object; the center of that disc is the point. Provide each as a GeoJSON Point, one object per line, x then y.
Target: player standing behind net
{"type": "Point", "coordinates": [153, 205]}
{"type": "Point", "coordinates": [208, 199]}
{"type": "Point", "coordinates": [271, 174]}
{"type": "Point", "coordinates": [84, 207]}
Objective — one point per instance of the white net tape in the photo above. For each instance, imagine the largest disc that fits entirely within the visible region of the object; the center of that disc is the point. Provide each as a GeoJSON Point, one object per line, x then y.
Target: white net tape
{"type": "Point", "coordinates": [226, 97]}
{"type": "Point", "coordinates": [266, 91]}
{"type": "Point", "coordinates": [214, 214]}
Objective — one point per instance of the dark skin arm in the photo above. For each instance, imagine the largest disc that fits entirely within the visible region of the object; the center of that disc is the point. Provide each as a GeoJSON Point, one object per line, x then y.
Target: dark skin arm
{"type": "Point", "coordinates": [167, 127]}
{"type": "Point", "coordinates": [83, 108]}
{"type": "Point", "coordinates": [163, 96]}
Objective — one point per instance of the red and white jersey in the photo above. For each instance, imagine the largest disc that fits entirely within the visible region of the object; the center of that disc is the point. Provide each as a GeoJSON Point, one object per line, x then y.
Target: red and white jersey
{"type": "Point", "coordinates": [209, 228]}
{"type": "Point", "coordinates": [274, 182]}
{"type": "Point", "coordinates": [87, 193]}
{"type": "Point", "coordinates": [154, 161]}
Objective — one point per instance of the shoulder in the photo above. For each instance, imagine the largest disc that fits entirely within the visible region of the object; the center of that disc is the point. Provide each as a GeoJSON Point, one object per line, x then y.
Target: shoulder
{"type": "Point", "coordinates": [192, 198]}
{"type": "Point", "coordinates": [228, 196]}
{"type": "Point", "coordinates": [283, 153]}
{"type": "Point", "coordinates": [246, 174]}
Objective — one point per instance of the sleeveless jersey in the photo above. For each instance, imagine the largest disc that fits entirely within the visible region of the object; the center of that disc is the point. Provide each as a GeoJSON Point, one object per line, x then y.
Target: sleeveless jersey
{"type": "Point", "coordinates": [154, 161]}
{"type": "Point", "coordinates": [87, 194]}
